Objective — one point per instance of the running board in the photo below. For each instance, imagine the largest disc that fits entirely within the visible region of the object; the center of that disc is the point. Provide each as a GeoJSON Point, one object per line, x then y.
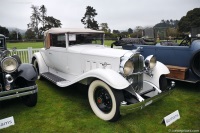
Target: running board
{"type": "Point", "coordinates": [52, 77]}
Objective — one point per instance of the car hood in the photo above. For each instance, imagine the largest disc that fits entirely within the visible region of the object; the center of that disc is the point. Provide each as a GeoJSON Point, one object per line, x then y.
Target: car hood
{"type": "Point", "coordinates": [99, 50]}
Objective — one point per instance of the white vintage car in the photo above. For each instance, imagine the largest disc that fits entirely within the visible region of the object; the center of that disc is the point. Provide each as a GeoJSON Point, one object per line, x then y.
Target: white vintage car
{"type": "Point", "coordinates": [119, 80]}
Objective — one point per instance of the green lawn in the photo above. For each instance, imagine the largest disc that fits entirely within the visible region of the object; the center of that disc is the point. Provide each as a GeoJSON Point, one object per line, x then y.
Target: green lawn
{"type": "Point", "coordinates": [68, 110]}
{"type": "Point", "coordinates": [25, 45]}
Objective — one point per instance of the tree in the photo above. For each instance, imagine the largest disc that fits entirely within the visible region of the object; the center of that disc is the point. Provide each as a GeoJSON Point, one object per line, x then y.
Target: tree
{"type": "Point", "coordinates": [167, 23]}
{"type": "Point", "coordinates": [39, 16]}
{"type": "Point", "coordinates": [51, 22]}
{"type": "Point", "coordinates": [173, 32]}
{"type": "Point", "coordinates": [4, 31]}
{"type": "Point", "coordinates": [192, 19]}
{"type": "Point", "coordinates": [116, 32]}
{"type": "Point", "coordinates": [35, 19]}
{"type": "Point", "coordinates": [15, 35]}
{"type": "Point", "coordinates": [130, 31]}
{"type": "Point", "coordinates": [43, 11]}
{"type": "Point", "coordinates": [29, 34]}
{"type": "Point", "coordinates": [88, 18]}
{"type": "Point", "coordinates": [104, 27]}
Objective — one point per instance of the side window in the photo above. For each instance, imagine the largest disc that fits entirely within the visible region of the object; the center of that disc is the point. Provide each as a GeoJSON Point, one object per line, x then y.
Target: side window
{"type": "Point", "coordinates": [1, 42]}
{"type": "Point", "coordinates": [58, 40]}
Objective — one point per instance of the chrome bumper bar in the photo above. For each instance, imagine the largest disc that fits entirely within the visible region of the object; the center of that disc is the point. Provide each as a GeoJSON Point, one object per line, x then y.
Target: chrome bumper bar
{"type": "Point", "coordinates": [140, 105]}
{"type": "Point", "coordinates": [4, 95]}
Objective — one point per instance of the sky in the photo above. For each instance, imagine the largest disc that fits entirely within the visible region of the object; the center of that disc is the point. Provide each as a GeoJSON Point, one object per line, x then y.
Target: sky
{"type": "Point", "coordinates": [118, 14]}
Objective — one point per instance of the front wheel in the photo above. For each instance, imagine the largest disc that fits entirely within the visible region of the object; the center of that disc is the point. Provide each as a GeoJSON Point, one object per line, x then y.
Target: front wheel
{"type": "Point", "coordinates": [105, 101]}
{"type": "Point", "coordinates": [163, 83]}
{"type": "Point", "coordinates": [29, 100]}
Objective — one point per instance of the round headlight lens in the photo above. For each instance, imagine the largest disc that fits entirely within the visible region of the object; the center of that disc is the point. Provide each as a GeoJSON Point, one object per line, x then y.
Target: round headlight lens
{"type": "Point", "coordinates": [128, 68]}
{"type": "Point", "coordinates": [153, 62]}
{"type": "Point", "coordinates": [9, 64]}
{"type": "Point", "coordinates": [150, 62]}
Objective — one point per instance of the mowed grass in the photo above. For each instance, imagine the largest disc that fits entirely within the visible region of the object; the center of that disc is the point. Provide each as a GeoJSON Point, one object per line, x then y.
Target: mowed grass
{"type": "Point", "coordinates": [68, 110]}
{"type": "Point", "coordinates": [25, 45]}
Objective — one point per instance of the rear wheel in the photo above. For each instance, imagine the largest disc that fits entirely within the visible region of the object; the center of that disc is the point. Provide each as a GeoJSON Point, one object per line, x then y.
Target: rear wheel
{"type": "Point", "coordinates": [105, 101]}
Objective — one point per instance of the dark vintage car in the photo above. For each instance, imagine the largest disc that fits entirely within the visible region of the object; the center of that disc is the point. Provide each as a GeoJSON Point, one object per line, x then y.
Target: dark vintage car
{"type": "Point", "coordinates": [16, 79]}
{"type": "Point", "coordinates": [186, 54]}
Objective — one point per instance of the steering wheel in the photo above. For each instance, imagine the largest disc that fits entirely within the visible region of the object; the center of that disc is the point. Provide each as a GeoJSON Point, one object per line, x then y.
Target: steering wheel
{"type": "Point", "coordinates": [186, 41]}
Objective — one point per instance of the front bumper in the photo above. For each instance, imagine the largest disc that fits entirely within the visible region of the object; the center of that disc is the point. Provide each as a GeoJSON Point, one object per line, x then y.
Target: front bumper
{"type": "Point", "coordinates": [140, 105]}
{"type": "Point", "coordinates": [18, 92]}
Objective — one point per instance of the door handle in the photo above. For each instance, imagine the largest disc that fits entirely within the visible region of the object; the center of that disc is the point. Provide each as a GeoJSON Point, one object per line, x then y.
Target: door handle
{"type": "Point", "coordinates": [50, 53]}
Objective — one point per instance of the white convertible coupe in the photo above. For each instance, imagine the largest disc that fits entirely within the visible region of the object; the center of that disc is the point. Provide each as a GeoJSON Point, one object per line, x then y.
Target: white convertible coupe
{"type": "Point", "coordinates": [119, 80]}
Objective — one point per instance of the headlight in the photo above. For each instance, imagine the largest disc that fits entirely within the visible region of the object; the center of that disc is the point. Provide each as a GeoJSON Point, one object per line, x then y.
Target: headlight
{"type": "Point", "coordinates": [9, 64]}
{"type": "Point", "coordinates": [126, 67]}
{"type": "Point", "coordinates": [150, 61]}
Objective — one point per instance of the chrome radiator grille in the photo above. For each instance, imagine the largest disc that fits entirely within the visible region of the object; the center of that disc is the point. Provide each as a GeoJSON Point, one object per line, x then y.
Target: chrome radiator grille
{"type": "Point", "coordinates": [136, 79]}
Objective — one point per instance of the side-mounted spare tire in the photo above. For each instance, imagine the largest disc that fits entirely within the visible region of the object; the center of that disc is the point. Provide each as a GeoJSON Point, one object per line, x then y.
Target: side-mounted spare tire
{"type": "Point", "coordinates": [195, 63]}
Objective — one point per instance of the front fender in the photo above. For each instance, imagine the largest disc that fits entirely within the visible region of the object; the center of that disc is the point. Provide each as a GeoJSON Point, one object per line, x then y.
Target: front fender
{"type": "Point", "coordinates": [109, 76]}
{"type": "Point", "coordinates": [27, 71]}
{"type": "Point", "coordinates": [158, 70]}
{"type": "Point", "coordinates": [41, 63]}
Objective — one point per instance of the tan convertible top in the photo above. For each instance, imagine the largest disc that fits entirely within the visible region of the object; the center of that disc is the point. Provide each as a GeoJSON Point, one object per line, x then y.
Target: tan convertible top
{"type": "Point", "coordinates": [70, 30]}
{"type": "Point", "coordinates": [65, 30]}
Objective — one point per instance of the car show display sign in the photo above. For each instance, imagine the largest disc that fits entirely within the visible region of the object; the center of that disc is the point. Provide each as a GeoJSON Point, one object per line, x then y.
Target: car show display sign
{"type": "Point", "coordinates": [4, 123]}
{"type": "Point", "coordinates": [172, 118]}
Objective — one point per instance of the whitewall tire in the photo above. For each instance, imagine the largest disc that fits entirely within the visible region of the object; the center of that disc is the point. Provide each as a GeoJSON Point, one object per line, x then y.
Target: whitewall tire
{"type": "Point", "coordinates": [104, 101]}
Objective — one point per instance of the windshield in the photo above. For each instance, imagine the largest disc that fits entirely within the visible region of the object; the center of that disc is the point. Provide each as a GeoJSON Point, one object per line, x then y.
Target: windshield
{"type": "Point", "coordinates": [92, 38]}
{"type": "Point", "coordinates": [1, 42]}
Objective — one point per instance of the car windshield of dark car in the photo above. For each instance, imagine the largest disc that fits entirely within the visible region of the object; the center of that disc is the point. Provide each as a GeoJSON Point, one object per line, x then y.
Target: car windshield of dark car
{"type": "Point", "coordinates": [1, 43]}
{"type": "Point", "coordinates": [85, 39]}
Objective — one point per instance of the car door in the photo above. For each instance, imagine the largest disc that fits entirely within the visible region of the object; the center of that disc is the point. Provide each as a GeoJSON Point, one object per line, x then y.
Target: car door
{"type": "Point", "coordinates": [56, 54]}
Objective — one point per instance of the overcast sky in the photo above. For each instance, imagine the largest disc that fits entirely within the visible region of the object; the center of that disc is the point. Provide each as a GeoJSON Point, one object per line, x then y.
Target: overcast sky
{"type": "Point", "coordinates": [119, 14]}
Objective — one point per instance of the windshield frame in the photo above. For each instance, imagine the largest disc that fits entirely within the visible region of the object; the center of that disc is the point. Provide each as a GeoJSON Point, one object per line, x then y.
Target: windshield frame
{"type": "Point", "coordinates": [71, 36]}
